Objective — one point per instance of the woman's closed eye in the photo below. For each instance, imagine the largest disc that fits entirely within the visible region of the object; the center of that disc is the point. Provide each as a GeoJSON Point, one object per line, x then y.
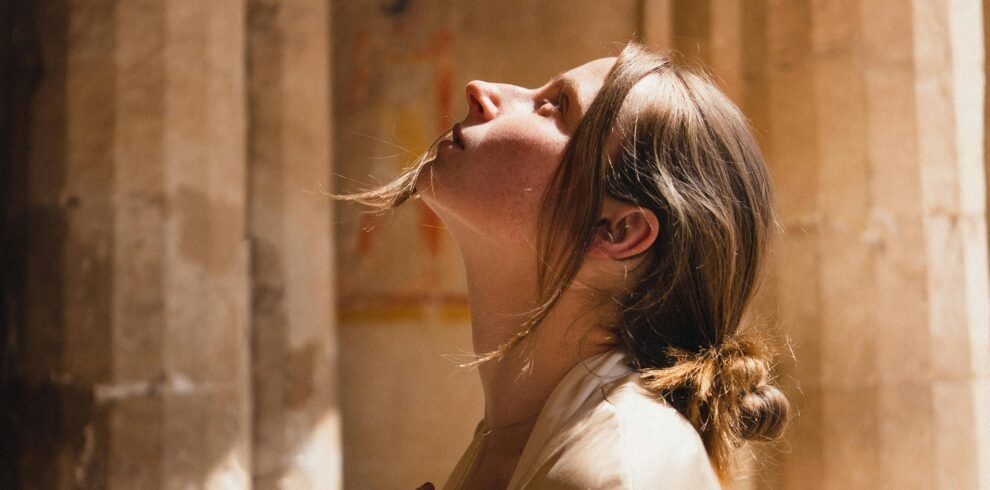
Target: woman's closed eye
{"type": "Point", "coordinates": [559, 104]}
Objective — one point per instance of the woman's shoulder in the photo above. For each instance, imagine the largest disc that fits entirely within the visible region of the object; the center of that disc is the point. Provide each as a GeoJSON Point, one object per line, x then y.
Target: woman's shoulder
{"type": "Point", "coordinates": [631, 439]}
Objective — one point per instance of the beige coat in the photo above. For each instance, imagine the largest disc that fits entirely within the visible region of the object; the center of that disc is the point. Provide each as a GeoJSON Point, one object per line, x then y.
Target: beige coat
{"type": "Point", "coordinates": [601, 429]}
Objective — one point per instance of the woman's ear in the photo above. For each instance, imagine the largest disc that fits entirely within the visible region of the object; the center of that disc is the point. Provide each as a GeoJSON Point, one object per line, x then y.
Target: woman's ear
{"type": "Point", "coordinates": [624, 231]}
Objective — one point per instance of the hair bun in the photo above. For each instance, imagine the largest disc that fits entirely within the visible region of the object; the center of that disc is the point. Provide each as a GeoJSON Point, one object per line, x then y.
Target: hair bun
{"type": "Point", "coordinates": [762, 407]}
{"type": "Point", "coordinates": [725, 390]}
{"type": "Point", "coordinates": [763, 413]}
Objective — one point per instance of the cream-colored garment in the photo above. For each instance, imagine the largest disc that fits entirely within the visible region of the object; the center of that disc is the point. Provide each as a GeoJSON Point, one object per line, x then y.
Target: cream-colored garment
{"type": "Point", "coordinates": [601, 428]}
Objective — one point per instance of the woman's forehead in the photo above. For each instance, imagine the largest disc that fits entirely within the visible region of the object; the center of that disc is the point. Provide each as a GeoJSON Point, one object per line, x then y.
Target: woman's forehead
{"type": "Point", "coordinates": [594, 68]}
{"type": "Point", "coordinates": [585, 81]}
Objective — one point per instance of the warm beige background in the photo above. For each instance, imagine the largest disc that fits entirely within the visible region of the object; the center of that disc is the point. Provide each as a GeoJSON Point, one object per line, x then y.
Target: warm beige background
{"type": "Point", "coordinates": [180, 307]}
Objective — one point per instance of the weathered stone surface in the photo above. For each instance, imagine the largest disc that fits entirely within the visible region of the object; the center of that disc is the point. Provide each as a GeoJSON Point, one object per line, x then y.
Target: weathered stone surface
{"type": "Point", "coordinates": [295, 419]}
{"type": "Point", "coordinates": [142, 311]}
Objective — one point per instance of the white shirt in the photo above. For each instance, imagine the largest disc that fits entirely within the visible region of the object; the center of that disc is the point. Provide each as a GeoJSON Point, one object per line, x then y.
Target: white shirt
{"type": "Point", "coordinates": [601, 428]}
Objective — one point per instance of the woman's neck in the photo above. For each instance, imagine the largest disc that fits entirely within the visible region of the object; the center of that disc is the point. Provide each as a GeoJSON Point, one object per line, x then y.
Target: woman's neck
{"type": "Point", "coordinates": [501, 296]}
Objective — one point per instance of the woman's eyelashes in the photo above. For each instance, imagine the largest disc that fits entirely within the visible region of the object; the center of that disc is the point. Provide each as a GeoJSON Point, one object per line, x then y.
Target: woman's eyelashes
{"type": "Point", "coordinates": [562, 102]}
{"type": "Point", "coordinates": [559, 103]}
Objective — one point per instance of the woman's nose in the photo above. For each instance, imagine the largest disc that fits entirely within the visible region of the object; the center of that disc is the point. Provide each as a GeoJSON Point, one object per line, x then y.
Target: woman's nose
{"type": "Point", "coordinates": [488, 100]}
{"type": "Point", "coordinates": [483, 100]}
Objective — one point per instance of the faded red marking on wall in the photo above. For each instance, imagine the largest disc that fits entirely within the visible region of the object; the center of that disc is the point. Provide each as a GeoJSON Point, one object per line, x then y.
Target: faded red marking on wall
{"type": "Point", "coordinates": [357, 86]}
{"type": "Point", "coordinates": [398, 27]}
{"type": "Point", "coordinates": [438, 53]}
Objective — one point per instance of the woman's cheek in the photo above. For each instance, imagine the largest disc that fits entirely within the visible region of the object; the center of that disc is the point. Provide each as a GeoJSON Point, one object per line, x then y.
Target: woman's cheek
{"type": "Point", "coordinates": [513, 160]}
{"type": "Point", "coordinates": [497, 185]}
{"type": "Point", "coordinates": [519, 174]}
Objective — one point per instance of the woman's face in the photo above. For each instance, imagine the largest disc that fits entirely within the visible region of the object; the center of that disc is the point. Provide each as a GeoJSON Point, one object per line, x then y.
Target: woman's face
{"type": "Point", "coordinates": [490, 182]}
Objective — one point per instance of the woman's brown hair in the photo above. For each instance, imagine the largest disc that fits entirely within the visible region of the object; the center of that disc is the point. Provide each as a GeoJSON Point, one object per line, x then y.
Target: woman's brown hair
{"type": "Point", "coordinates": [688, 155]}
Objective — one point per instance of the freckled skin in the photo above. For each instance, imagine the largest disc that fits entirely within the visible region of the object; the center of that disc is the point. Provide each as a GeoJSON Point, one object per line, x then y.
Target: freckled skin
{"type": "Point", "coordinates": [491, 190]}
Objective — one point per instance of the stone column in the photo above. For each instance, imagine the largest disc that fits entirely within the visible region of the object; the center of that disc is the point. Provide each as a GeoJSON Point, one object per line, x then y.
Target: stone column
{"type": "Point", "coordinates": [296, 423]}
{"type": "Point", "coordinates": [135, 342]}
{"type": "Point", "coordinates": [174, 315]}
{"type": "Point", "coordinates": [898, 226]}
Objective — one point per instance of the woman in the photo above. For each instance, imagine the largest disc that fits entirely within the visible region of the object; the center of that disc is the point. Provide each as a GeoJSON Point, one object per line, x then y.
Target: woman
{"type": "Point", "coordinates": [614, 224]}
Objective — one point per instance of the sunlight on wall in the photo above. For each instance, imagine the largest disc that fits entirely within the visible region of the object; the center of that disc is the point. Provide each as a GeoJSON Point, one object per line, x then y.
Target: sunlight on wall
{"type": "Point", "coordinates": [318, 462]}
{"type": "Point", "coordinates": [228, 474]}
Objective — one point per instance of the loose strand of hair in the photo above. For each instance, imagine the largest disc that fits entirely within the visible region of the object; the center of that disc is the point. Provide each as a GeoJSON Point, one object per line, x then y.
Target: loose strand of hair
{"type": "Point", "coordinates": [394, 193]}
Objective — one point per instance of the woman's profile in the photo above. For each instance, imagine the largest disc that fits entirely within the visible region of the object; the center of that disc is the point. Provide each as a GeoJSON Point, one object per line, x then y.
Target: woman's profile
{"type": "Point", "coordinates": [614, 225]}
